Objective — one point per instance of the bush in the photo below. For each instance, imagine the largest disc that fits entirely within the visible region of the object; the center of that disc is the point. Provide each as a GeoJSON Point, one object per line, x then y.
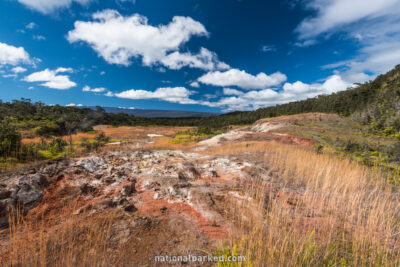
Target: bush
{"type": "Point", "coordinates": [10, 139]}
{"type": "Point", "coordinates": [27, 152]}
{"type": "Point", "coordinates": [102, 138]}
{"type": "Point", "coordinates": [57, 145]}
{"type": "Point", "coordinates": [318, 148]}
{"type": "Point", "coordinates": [47, 154]}
{"type": "Point", "coordinates": [352, 147]}
{"type": "Point", "coordinates": [93, 145]}
{"type": "Point", "coordinates": [47, 129]}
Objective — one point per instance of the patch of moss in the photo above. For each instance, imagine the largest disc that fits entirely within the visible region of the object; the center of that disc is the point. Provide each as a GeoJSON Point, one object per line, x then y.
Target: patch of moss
{"type": "Point", "coordinates": [47, 154]}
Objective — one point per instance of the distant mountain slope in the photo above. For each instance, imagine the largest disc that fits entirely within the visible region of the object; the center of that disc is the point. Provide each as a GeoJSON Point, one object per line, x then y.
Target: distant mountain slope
{"type": "Point", "coordinates": [155, 113]}
{"type": "Point", "coordinates": [382, 112]}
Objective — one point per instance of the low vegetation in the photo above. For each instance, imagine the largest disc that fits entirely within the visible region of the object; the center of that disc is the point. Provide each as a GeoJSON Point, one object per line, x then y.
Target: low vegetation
{"type": "Point", "coordinates": [326, 212]}
{"type": "Point", "coordinates": [201, 133]}
{"type": "Point", "coordinates": [347, 138]}
{"type": "Point", "coordinates": [80, 240]}
{"type": "Point", "coordinates": [94, 145]}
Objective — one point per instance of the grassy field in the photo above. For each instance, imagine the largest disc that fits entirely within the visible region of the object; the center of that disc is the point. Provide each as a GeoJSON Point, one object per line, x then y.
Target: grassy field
{"type": "Point", "coordinates": [121, 133]}
{"type": "Point", "coordinates": [124, 137]}
{"type": "Point", "coordinates": [137, 132]}
{"type": "Point", "coordinates": [346, 138]}
{"type": "Point", "coordinates": [326, 212]}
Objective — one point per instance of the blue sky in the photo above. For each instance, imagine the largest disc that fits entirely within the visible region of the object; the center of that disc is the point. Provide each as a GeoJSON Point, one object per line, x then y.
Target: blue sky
{"type": "Point", "coordinates": [200, 55]}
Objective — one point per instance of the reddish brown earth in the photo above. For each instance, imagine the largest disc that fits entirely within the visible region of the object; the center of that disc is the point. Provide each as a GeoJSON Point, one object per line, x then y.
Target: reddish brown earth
{"type": "Point", "coordinates": [182, 194]}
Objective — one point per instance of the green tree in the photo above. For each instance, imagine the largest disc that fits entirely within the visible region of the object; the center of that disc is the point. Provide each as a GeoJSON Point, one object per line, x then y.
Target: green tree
{"type": "Point", "coordinates": [71, 122]}
{"type": "Point", "coordinates": [10, 139]}
{"type": "Point", "coordinates": [57, 145]}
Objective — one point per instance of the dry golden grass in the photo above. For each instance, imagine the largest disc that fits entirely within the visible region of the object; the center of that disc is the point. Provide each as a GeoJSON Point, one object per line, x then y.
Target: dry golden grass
{"type": "Point", "coordinates": [165, 143]}
{"type": "Point", "coordinates": [135, 132]}
{"type": "Point", "coordinates": [238, 148]}
{"type": "Point", "coordinates": [75, 138]}
{"type": "Point", "coordinates": [310, 210]}
{"type": "Point", "coordinates": [303, 118]}
{"type": "Point", "coordinates": [158, 143]}
{"type": "Point", "coordinates": [30, 140]}
{"type": "Point", "coordinates": [84, 240]}
{"type": "Point", "coordinates": [120, 133]}
{"type": "Point", "coordinates": [324, 212]}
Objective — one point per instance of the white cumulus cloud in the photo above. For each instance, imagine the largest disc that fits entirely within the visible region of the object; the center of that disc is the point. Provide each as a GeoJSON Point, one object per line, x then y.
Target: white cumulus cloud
{"type": "Point", "coordinates": [39, 37]}
{"type": "Point", "coordinates": [299, 89]}
{"type": "Point", "coordinates": [205, 60]}
{"type": "Point", "coordinates": [119, 39]}
{"type": "Point", "coordinates": [195, 84]}
{"type": "Point", "coordinates": [242, 79]}
{"type": "Point", "coordinates": [93, 90]}
{"type": "Point", "coordinates": [52, 78]}
{"type": "Point", "coordinates": [268, 48]}
{"type": "Point", "coordinates": [13, 55]}
{"type": "Point", "coordinates": [62, 69]}
{"type": "Point", "coordinates": [246, 101]}
{"type": "Point", "coordinates": [18, 69]}
{"type": "Point", "coordinates": [230, 91]}
{"type": "Point", "coordinates": [31, 25]}
{"type": "Point", "coordinates": [254, 99]}
{"type": "Point", "coordinates": [234, 99]}
{"type": "Point", "coordinates": [49, 6]}
{"type": "Point", "coordinates": [74, 105]}
{"type": "Point", "coordinates": [171, 94]}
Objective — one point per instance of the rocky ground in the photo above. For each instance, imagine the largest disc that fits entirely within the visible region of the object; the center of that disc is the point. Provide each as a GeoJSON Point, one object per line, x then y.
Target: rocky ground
{"type": "Point", "coordinates": [171, 201]}
{"type": "Point", "coordinates": [186, 190]}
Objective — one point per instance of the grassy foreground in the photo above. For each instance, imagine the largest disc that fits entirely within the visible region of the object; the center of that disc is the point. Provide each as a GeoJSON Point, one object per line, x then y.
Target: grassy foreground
{"type": "Point", "coordinates": [324, 212]}
{"type": "Point", "coordinates": [312, 210]}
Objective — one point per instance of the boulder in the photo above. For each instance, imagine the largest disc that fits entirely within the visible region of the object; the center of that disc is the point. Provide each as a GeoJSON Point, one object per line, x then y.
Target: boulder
{"type": "Point", "coordinates": [92, 164]}
{"type": "Point", "coordinates": [28, 191]}
{"type": "Point", "coordinates": [4, 213]}
{"type": "Point", "coordinates": [4, 193]}
{"type": "Point", "coordinates": [14, 190]}
{"type": "Point", "coordinates": [130, 208]}
{"type": "Point", "coordinates": [29, 198]}
{"type": "Point", "coordinates": [86, 189]}
{"type": "Point", "coordinates": [40, 180]}
{"type": "Point", "coordinates": [50, 170]}
{"type": "Point", "coordinates": [108, 180]}
{"type": "Point", "coordinates": [129, 189]}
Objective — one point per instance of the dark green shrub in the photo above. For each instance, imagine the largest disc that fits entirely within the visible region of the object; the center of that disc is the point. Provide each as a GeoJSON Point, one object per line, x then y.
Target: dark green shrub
{"type": "Point", "coordinates": [352, 147]}
{"type": "Point", "coordinates": [102, 138]}
{"type": "Point", "coordinates": [318, 148]}
{"type": "Point", "coordinates": [57, 145]}
{"type": "Point", "coordinates": [10, 139]}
